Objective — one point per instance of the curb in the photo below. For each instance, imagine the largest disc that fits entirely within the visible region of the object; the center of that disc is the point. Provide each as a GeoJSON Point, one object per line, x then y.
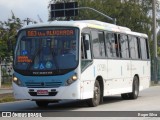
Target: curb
{"type": "Point", "coordinates": [5, 91]}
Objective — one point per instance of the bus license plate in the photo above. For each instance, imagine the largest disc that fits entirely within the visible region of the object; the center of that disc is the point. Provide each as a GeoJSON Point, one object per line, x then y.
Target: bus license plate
{"type": "Point", "coordinates": [42, 92]}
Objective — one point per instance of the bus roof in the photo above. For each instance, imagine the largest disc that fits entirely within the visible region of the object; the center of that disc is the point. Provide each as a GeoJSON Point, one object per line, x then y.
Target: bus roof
{"type": "Point", "coordinates": [89, 23]}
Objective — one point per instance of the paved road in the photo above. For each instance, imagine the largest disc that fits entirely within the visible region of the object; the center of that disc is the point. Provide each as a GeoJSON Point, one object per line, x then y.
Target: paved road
{"type": "Point", "coordinates": [149, 100]}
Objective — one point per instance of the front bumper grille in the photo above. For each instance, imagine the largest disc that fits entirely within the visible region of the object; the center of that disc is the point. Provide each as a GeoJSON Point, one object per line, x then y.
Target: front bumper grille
{"type": "Point", "coordinates": [43, 84]}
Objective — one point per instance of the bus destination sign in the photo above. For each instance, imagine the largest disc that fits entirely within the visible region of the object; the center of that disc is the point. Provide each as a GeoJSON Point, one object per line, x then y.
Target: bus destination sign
{"type": "Point", "coordinates": [40, 33]}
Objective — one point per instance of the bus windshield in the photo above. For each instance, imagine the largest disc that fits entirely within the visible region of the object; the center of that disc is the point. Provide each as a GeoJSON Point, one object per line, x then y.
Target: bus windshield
{"type": "Point", "coordinates": [46, 50]}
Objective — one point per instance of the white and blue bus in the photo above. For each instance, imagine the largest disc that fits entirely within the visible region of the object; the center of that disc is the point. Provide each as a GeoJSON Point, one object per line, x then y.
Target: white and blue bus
{"type": "Point", "coordinates": [79, 60]}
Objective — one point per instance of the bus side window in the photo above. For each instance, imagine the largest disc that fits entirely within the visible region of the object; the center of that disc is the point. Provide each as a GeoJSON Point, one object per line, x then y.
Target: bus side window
{"type": "Point", "coordinates": [147, 48]}
{"type": "Point", "coordinates": [144, 48]}
{"type": "Point", "coordinates": [133, 47]}
{"type": "Point", "coordinates": [98, 45]}
{"type": "Point", "coordinates": [101, 44]}
{"type": "Point", "coordinates": [95, 44]}
{"type": "Point", "coordinates": [85, 47]}
{"type": "Point", "coordinates": [117, 45]}
{"type": "Point", "coordinates": [110, 45]}
{"type": "Point", "coordinates": [124, 50]}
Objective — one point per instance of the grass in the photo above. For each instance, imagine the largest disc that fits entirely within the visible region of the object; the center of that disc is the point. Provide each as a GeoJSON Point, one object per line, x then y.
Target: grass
{"type": "Point", "coordinates": [154, 84]}
{"type": "Point", "coordinates": [6, 85]}
{"type": "Point", "coordinates": [8, 97]}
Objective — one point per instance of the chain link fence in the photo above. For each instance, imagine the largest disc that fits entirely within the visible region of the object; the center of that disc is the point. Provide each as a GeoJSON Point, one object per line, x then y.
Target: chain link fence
{"type": "Point", "coordinates": [158, 70]}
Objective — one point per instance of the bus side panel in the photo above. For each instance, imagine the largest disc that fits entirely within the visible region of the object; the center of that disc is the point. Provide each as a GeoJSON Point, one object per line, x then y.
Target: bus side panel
{"type": "Point", "coordinates": [119, 77]}
{"type": "Point", "coordinates": [145, 79]}
{"type": "Point", "coordinates": [148, 74]}
{"type": "Point", "coordinates": [87, 83]}
{"type": "Point", "coordinates": [88, 77]}
{"type": "Point", "coordinates": [142, 69]}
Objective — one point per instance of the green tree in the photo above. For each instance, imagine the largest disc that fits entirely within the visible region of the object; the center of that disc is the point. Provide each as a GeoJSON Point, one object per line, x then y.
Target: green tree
{"type": "Point", "coordinates": [129, 13]}
{"type": "Point", "coordinates": [134, 14]}
{"type": "Point", "coordinates": [8, 31]}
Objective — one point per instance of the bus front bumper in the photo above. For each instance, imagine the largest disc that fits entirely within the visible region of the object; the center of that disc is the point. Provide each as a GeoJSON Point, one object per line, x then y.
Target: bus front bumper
{"type": "Point", "coordinates": [63, 92]}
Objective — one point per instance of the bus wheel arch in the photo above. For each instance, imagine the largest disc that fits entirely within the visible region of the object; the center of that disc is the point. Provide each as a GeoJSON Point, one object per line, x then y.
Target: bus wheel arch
{"type": "Point", "coordinates": [135, 89]}
{"type": "Point", "coordinates": [97, 93]}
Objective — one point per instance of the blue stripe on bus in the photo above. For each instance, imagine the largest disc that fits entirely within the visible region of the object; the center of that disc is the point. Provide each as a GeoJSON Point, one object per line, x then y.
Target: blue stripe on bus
{"type": "Point", "coordinates": [49, 81]}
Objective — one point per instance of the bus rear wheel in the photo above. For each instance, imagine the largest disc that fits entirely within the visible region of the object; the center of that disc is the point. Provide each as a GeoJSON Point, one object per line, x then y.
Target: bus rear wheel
{"type": "Point", "coordinates": [95, 101]}
{"type": "Point", "coordinates": [125, 96]}
{"type": "Point", "coordinates": [135, 90]}
{"type": "Point", "coordinates": [42, 103]}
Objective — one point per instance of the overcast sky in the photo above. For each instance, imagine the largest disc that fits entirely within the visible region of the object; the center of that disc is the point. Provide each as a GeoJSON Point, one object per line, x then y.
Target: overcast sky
{"type": "Point", "coordinates": [24, 9]}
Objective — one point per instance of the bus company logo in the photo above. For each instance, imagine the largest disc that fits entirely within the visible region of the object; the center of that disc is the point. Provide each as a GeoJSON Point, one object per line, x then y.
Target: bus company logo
{"type": "Point", "coordinates": [17, 114]}
{"type": "Point", "coordinates": [6, 114]}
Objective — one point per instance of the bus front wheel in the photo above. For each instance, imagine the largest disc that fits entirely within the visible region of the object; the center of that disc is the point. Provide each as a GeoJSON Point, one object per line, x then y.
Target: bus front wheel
{"type": "Point", "coordinates": [96, 95]}
{"type": "Point", "coordinates": [42, 103]}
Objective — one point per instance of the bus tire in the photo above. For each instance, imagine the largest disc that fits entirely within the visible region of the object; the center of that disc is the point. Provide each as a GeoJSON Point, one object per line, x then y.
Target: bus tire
{"type": "Point", "coordinates": [95, 101]}
{"type": "Point", "coordinates": [135, 88]}
{"type": "Point", "coordinates": [42, 103]}
{"type": "Point", "coordinates": [125, 96]}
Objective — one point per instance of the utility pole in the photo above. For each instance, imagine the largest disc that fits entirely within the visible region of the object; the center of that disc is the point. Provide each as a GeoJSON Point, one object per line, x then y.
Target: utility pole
{"type": "Point", "coordinates": [40, 20]}
{"type": "Point", "coordinates": [154, 39]}
{"type": "Point", "coordinates": [28, 20]}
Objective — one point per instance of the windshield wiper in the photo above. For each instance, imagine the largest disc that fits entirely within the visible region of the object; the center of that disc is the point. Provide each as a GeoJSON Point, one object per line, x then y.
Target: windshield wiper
{"type": "Point", "coordinates": [33, 58]}
{"type": "Point", "coordinates": [55, 61]}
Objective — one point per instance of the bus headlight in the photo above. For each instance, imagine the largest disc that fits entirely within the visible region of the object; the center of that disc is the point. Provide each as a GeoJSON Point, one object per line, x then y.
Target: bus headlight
{"type": "Point", "coordinates": [17, 81]}
{"type": "Point", "coordinates": [72, 79]}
